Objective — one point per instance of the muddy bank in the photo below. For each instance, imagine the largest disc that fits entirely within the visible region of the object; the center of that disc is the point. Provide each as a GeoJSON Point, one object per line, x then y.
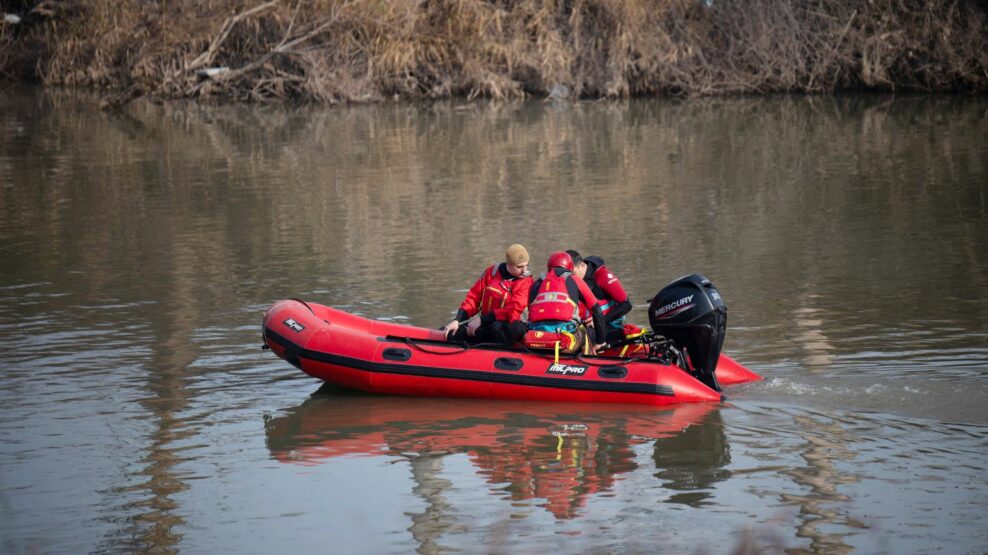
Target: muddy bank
{"type": "Point", "coordinates": [345, 51]}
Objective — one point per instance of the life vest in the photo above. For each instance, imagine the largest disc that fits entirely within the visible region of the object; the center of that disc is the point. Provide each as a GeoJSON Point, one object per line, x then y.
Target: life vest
{"type": "Point", "coordinates": [568, 341]}
{"type": "Point", "coordinates": [553, 317]}
{"type": "Point", "coordinates": [553, 302]}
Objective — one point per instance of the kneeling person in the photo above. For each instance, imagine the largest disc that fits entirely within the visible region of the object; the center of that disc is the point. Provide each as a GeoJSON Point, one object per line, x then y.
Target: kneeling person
{"type": "Point", "coordinates": [554, 305]}
{"type": "Point", "coordinates": [614, 303]}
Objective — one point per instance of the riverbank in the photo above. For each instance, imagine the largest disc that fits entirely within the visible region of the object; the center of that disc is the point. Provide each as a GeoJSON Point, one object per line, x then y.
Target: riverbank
{"type": "Point", "coordinates": [352, 51]}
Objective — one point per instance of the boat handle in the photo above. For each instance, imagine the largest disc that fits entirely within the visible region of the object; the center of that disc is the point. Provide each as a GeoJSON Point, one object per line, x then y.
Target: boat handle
{"type": "Point", "coordinates": [612, 372]}
{"type": "Point", "coordinates": [393, 353]}
{"type": "Point", "coordinates": [506, 363]}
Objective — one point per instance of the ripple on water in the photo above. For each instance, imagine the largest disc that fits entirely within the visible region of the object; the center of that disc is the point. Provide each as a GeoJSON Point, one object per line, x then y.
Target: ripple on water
{"type": "Point", "coordinates": [847, 479]}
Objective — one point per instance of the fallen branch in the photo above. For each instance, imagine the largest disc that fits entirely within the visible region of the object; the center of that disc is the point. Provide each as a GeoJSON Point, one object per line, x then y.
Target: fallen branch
{"type": "Point", "coordinates": [285, 46]}
{"type": "Point", "coordinates": [207, 57]}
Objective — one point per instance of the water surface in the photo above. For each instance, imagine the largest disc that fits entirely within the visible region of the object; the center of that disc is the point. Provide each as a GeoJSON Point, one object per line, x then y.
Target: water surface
{"type": "Point", "coordinates": [139, 248]}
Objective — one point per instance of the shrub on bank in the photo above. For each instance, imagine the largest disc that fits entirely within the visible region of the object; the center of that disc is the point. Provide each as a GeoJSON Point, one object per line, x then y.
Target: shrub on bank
{"type": "Point", "coordinates": [358, 50]}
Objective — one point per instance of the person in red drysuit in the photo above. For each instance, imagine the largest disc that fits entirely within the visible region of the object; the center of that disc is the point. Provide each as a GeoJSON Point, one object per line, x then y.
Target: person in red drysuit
{"type": "Point", "coordinates": [495, 303]}
{"type": "Point", "coordinates": [606, 286]}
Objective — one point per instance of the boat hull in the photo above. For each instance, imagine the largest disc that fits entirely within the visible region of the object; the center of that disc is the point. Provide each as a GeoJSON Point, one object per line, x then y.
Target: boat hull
{"type": "Point", "coordinates": [395, 359]}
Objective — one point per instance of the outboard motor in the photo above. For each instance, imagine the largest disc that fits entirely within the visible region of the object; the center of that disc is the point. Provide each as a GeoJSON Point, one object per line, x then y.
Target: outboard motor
{"type": "Point", "coordinates": [690, 312]}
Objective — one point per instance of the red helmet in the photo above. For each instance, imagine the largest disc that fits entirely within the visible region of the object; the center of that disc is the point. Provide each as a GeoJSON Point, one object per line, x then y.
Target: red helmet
{"type": "Point", "coordinates": [560, 259]}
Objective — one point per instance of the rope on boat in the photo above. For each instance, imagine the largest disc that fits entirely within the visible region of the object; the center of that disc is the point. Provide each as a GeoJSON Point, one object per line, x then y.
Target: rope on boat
{"type": "Point", "coordinates": [305, 304]}
{"type": "Point", "coordinates": [464, 347]}
{"type": "Point", "coordinates": [411, 343]}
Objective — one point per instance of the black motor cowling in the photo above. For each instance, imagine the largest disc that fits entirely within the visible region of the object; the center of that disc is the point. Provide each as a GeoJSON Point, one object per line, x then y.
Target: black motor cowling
{"type": "Point", "coordinates": [691, 313]}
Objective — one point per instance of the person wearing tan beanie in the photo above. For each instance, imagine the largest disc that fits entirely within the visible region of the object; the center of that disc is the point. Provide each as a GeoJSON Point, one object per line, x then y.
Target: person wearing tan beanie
{"type": "Point", "coordinates": [495, 303]}
{"type": "Point", "coordinates": [516, 255]}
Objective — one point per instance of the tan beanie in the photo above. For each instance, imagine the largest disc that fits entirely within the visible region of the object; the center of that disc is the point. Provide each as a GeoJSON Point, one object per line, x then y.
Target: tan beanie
{"type": "Point", "coordinates": [516, 254]}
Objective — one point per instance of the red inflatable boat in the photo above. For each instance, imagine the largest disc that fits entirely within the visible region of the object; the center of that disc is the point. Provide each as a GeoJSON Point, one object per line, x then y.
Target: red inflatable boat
{"type": "Point", "coordinates": [382, 357]}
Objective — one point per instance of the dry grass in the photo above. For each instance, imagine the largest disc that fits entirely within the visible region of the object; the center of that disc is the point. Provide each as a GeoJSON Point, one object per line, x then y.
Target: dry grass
{"type": "Point", "coordinates": [359, 50]}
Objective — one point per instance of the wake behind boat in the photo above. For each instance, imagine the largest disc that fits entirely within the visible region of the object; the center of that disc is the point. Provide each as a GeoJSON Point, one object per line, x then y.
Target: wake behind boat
{"type": "Point", "coordinates": [683, 366]}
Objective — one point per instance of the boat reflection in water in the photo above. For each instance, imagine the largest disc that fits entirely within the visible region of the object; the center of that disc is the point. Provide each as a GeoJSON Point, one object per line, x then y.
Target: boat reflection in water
{"type": "Point", "coordinates": [691, 461]}
{"type": "Point", "coordinates": [558, 452]}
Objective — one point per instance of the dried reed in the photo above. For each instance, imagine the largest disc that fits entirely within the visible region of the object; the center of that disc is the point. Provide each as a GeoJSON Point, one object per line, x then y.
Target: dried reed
{"type": "Point", "coordinates": [359, 50]}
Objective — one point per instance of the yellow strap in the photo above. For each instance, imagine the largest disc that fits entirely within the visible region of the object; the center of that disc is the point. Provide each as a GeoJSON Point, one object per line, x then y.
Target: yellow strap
{"type": "Point", "coordinates": [557, 352]}
{"type": "Point", "coordinates": [571, 347]}
{"type": "Point", "coordinates": [624, 351]}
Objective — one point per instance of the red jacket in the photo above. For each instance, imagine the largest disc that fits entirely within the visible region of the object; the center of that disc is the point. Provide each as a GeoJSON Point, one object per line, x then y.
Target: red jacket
{"type": "Point", "coordinates": [499, 293]}
{"type": "Point", "coordinates": [607, 286]}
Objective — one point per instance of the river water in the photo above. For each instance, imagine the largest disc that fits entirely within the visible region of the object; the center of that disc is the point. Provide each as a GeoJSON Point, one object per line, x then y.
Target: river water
{"type": "Point", "coordinates": [139, 248]}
